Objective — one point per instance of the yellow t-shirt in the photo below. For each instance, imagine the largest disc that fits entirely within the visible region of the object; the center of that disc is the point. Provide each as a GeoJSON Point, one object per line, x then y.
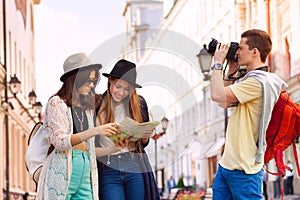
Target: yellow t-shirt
{"type": "Point", "coordinates": [243, 128]}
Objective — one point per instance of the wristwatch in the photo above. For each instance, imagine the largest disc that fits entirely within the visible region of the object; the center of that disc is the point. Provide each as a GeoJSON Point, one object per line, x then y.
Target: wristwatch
{"type": "Point", "coordinates": [217, 66]}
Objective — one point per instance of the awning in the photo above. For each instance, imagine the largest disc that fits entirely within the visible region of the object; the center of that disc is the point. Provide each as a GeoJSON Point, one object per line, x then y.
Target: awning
{"type": "Point", "coordinates": [211, 149]}
{"type": "Point", "coordinates": [211, 133]}
{"type": "Point", "coordinates": [215, 148]}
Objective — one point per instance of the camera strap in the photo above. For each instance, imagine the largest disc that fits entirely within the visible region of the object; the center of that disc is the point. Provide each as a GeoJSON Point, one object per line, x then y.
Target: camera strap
{"type": "Point", "coordinates": [241, 73]}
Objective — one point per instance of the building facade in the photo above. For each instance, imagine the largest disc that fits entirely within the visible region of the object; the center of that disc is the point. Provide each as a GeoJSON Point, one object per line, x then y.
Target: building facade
{"type": "Point", "coordinates": [195, 137]}
{"type": "Point", "coordinates": [17, 116]}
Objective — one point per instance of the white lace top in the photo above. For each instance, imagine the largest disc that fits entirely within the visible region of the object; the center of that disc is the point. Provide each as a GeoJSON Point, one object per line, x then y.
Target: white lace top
{"type": "Point", "coordinates": [57, 169]}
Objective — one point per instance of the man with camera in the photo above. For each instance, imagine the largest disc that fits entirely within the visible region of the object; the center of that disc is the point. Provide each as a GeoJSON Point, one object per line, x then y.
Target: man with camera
{"type": "Point", "coordinates": [253, 95]}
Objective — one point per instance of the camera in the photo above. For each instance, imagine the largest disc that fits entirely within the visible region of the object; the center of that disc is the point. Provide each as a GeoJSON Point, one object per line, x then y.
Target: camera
{"type": "Point", "coordinates": [231, 52]}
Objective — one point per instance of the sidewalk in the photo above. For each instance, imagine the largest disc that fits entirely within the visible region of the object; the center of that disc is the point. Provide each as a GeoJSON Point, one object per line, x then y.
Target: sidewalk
{"type": "Point", "coordinates": [286, 197]}
{"type": "Point", "coordinates": [290, 197]}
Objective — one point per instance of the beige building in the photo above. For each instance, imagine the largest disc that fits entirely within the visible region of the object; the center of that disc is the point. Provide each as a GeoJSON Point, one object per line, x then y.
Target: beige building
{"type": "Point", "coordinates": [192, 145]}
{"type": "Point", "coordinates": [194, 139]}
{"type": "Point", "coordinates": [17, 116]}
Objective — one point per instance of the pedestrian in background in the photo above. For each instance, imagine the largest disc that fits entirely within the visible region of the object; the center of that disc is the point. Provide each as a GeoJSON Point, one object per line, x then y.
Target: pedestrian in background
{"type": "Point", "coordinates": [240, 174]}
{"type": "Point", "coordinates": [265, 185]}
{"type": "Point", "coordinates": [288, 179]}
{"type": "Point", "coordinates": [70, 170]}
{"type": "Point", "coordinates": [171, 183]}
{"type": "Point", "coordinates": [126, 174]}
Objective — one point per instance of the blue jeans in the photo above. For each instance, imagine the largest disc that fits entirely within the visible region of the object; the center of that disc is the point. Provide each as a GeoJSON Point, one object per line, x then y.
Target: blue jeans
{"type": "Point", "coordinates": [237, 185]}
{"type": "Point", "coordinates": [121, 178]}
{"type": "Point", "coordinates": [80, 184]}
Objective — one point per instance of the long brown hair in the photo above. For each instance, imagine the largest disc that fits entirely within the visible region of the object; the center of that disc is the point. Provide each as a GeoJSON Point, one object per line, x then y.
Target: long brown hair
{"type": "Point", "coordinates": [74, 80]}
{"type": "Point", "coordinates": [131, 103]}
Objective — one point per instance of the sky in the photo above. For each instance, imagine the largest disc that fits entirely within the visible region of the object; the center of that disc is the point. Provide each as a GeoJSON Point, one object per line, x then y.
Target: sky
{"type": "Point", "coordinates": [65, 27]}
{"type": "Point", "coordinates": [96, 27]}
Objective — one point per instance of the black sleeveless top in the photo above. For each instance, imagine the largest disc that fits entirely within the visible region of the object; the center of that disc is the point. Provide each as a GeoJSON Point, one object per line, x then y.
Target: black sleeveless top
{"type": "Point", "coordinates": [80, 121]}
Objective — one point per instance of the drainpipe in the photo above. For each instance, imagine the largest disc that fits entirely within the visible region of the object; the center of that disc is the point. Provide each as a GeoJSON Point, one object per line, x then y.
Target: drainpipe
{"type": "Point", "coordinates": [6, 101]}
{"type": "Point", "coordinates": [269, 31]}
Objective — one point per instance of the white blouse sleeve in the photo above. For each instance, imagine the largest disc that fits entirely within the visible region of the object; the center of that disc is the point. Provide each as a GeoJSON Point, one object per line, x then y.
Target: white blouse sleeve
{"type": "Point", "coordinates": [59, 124]}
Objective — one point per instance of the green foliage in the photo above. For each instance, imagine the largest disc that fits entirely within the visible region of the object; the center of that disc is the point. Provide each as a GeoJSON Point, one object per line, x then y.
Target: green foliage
{"type": "Point", "coordinates": [180, 183]}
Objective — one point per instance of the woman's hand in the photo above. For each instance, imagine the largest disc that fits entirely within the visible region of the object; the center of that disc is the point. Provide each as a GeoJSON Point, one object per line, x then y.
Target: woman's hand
{"type": "Point", "coordinates": [121, 144]}
{"type": "Point", "coordinates": [109, 129]}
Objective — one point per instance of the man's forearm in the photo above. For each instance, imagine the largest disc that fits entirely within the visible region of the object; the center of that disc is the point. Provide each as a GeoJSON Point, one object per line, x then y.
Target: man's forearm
{"type": "Point", "coordinates": [217, 87]}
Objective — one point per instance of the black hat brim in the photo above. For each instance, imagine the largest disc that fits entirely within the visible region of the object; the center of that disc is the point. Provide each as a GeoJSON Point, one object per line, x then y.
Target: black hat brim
{"type": "Point", "coordinates": [120, 77]}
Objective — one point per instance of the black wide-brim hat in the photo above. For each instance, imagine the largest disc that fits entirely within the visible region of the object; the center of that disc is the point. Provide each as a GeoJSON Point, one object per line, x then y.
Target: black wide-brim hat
{"type": "Point", "coordinates": [75, 62]}
{"type": "Point", "coordinates": [124, 70]}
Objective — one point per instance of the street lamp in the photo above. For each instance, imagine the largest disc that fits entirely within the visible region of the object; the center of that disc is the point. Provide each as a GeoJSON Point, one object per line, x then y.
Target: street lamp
{"type": "Point", "coordinates": [164, 124]}
{"type": "Point", "coordinates": [205, 60]}
{"type": "Point", "coordinates": [14, 85]}
{"type": "Point", "coordinates": [32, 97]}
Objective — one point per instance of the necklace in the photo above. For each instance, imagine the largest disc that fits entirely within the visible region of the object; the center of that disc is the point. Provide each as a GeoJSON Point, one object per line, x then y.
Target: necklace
{"type": "Point", "coordinates": [80, 120]}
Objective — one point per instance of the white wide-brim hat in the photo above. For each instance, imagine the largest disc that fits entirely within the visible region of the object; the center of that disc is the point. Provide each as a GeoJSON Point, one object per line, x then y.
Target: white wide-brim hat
{"type": "Point", "coordinates": [76, 62]}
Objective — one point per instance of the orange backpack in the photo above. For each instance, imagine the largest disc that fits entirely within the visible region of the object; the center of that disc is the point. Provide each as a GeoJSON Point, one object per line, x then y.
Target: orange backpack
{"type": "Point", "coordinates": [283, 131]}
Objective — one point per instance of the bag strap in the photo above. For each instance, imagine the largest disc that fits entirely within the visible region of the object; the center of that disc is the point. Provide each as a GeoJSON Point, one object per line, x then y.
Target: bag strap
{"type": "Point", "coordinates": [282, 180]}
{"type": "Point", "coordinates": [273, 173]}
{"type": "Point", "coordinates": [33, 131]}
{"type": "Point", "coordinates": [282, 188]}
{"type": "Point", "coordinates": [50, 149]}
{"type": "Point", "coordinates": [296, 158]}
{"type": "Point", "coordinates": [282, 177]}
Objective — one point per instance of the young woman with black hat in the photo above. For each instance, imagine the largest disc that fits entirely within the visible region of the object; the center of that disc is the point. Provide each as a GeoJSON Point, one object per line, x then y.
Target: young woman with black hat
{"type": "Point", "coordinates": [126, 174]}
{"type": "Point", "coordinates": [70, 170]}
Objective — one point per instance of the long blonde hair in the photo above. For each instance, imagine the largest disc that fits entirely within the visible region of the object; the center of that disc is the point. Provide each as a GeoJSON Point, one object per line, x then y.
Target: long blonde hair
{"type": "Point", "coordinates": [131, 103]}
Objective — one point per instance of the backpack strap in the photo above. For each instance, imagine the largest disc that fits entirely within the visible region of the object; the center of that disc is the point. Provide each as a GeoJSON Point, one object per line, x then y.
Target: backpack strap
{"type": "Point", "coordinates": [273, 173]}
{"type": "Point", "coordinates": [282, 180]}
{"type": "Point", "coordinates": [296, 158]}
{"type": "Point", "coordinates": [282, 188]}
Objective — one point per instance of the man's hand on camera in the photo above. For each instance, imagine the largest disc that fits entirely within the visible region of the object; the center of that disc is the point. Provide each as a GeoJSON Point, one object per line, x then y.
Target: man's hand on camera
{"type": "Point", "coordinates": [221, 52]}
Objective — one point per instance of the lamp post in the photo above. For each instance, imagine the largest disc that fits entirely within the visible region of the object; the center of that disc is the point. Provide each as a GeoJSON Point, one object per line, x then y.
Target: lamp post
{"type": "Point", "coordinates": [14, 86]}
{"type": "Point", "coordinates": [205, 60]}
{"type": "Point", "coordinates": [164, 124]}
{"type": "Point", "coordinates": [6, 138]}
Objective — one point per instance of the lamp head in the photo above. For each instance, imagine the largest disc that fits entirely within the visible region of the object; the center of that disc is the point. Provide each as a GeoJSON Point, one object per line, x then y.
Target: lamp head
{"type": "Point", "coordinates": [205, 60]}
{"type": "Point", "coordinates": [14, 85]}
{"type": "Point", "coordinates": [32, 97]}
{"type": "Point", "coordinates": [164, 123]}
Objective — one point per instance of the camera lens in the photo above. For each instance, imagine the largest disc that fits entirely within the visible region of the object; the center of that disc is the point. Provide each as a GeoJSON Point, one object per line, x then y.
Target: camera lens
{"type": "Point", "coordinates": [212, 46]}
{"type": "Point", "coordinates": [231, 52]}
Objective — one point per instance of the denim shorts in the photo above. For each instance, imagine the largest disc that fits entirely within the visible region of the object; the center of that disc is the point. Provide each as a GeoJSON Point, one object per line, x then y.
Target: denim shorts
{"type": "Point", "coordinates": [237, 185]}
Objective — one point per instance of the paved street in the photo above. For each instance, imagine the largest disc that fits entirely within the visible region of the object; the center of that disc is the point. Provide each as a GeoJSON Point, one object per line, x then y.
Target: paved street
{"type": "Point", "coordinates": [286, 197]}
{"type": "Point", "coordinates": [290, 197]}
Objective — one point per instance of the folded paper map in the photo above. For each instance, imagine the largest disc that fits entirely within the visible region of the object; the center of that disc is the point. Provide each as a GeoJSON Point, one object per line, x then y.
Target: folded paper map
{"type": "Point", "coordinates": [134, 129]}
